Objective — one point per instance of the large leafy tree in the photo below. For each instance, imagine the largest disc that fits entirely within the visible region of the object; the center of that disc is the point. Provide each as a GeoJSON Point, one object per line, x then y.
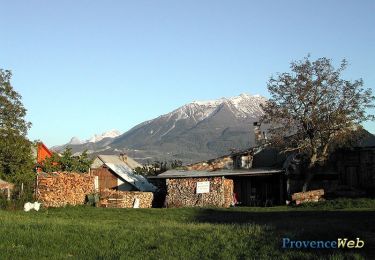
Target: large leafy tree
{"type": "Point", "coordinates": [15, 149]}
{"type": "Point", "coordinates": [67, 162]}
{"type": "Point", "coordinates": [312, 110]}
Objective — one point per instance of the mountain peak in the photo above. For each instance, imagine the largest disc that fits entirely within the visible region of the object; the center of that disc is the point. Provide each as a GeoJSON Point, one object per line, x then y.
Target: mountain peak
{"type": "Point", "coordinates": [195, 131]}
{"type": "Point", "coordinates": [75, 140]}
{"type": "Point", "coordinates": [244, 105]}
{"type": "Point", "coordinates": [111, 134]}
{"type": "Point", "coordinates": [235, 99]}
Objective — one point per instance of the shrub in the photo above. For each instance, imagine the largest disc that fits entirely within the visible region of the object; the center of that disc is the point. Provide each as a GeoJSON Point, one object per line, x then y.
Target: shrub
{"type": "Point", "coordinates": [341, 203]}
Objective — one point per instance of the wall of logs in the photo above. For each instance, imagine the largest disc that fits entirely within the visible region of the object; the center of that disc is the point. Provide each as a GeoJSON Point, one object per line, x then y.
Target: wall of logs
{"type": "Point", "coordinates": [182, 192]}
{"type": "Point", "coordinates": [308, 196]}
{"type": "Point", "coordinates": [61, 189]}
{"type": "Point", "coordinates": [125, 199]}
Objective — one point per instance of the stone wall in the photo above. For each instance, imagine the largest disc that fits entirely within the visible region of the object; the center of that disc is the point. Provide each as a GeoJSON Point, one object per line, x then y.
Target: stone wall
{"type": "Point", "coordinates": [183, 192]}
{"type": "Point", "coordinates": [61, 189]}
{"type": "Point", "coordinates": [212, 165]}
{"type": "Point", "coordinates": [125, 199]}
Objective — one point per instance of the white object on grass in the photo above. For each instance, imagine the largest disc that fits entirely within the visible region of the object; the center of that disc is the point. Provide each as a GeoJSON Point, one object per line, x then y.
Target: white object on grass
{"type": "Point", "coordinates": [29, 206]}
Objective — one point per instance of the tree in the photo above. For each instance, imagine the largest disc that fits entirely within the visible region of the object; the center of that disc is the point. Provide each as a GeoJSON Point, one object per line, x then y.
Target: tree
{"type": "Point", "coordinates": [157, 167]}
{"type": "Point", "coordinates": [67, 162]}
{"type": "Point", "coordinates": [15, 149]}
{"type": "Point", "coordinates": [312, 110]}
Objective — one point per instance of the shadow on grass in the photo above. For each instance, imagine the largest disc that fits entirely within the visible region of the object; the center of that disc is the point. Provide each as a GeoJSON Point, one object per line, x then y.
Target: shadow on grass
{"type": "Point", "coordinates": [303, 225]}
{"type": "Point", "coordinates": [281, 217]}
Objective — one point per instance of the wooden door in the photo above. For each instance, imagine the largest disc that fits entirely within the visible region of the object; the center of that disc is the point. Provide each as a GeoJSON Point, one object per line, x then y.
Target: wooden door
{"type": "Point", "coordinates": [107, 180]}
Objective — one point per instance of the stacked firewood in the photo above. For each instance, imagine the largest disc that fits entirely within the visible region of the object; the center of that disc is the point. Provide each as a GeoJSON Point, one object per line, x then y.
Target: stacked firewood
{"type": "Point", "coordinates": [61, 189]}
{"type": "Point", "coordinates": [228, 193]}
{"type": "Point", "coordinates": [183, 193]}
{"type": "Point", "coordinates": [125, 199]}
{"type": "Point", "coordinates": [309, 196]}
{"type": "Point", "coordinates": [213, 165]}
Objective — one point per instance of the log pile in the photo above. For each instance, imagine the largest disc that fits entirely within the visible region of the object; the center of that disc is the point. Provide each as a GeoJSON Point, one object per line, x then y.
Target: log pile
{"type": "Point", "coordinates": [213, 165]}
{"type": "Point", "coordinates": [125, 199]}
{"type": "Point", "coordinates": [182, 193]}
{"type": "Point", "coordinates": [61, 189]}
{"type": "Point", "coordinates": [309, 196]}
{"type": "Point", "coordinates": [228, 193]}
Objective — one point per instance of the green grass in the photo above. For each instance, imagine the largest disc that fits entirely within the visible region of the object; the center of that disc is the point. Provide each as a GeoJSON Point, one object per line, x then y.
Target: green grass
{"type": "Point", "coordinates": [341, 203]}
{"type": "Point", "coordinates": [236, 233]}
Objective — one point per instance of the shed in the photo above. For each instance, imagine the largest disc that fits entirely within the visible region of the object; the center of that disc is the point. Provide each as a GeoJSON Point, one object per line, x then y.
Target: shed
{"type": "Point", "coordinates": [117, 172]}
{"type": "Point", "coordinates": [223, 188]}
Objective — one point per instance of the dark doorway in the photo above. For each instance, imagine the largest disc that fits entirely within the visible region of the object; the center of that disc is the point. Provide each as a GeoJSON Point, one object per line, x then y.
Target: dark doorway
{"type": "Point", "coordinates": [259, 190]}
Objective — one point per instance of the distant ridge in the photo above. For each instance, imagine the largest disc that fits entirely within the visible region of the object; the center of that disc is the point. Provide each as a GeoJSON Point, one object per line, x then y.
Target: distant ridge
{"type": "Point", "coordinates": [195, 131]}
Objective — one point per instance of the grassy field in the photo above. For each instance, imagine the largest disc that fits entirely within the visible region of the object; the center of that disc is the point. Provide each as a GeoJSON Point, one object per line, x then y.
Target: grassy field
{"type": "Point", "coordinates": [236, 233]}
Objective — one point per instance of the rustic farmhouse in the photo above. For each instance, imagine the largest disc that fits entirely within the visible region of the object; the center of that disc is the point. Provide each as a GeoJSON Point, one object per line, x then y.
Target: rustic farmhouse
{"type": "Point", "coordinates": [261, 176]}
{"type": "Point", "coordinates": [253, 177]}
{"type": "Point", "coordinates": [223, 188]}
{"type": "Point", "coordinates": [116, 172]}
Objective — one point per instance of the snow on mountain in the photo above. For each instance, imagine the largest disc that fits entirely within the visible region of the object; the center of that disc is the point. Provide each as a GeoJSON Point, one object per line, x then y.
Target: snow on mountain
{"type": "Point", "coordinates": [195, 131]}
{"type": "Point", "coordinates": [108, 134]}
{"type": "Point", "coordinates": [75, 140]}
{"type": "Point", "coordinates": [242, 106]}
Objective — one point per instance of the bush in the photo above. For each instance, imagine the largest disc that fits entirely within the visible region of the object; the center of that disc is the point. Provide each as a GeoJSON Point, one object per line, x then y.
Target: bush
{"type": "Point", "coordinates": [341, 203]}
{"type": "Point", "coordinates": [18, 198]}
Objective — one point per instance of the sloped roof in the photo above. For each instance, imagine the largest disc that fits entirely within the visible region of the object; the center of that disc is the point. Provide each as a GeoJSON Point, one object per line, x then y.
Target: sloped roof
{"type": "Point", "coordinates": [127, 175]}
{"type": "Point", "coordinates": [171, 174]}
{"type": "Point", "coordinates": [125, 171]}
{"type": "Point", "coordinates": [5, 185]}
{"type": "Point", "coordinates": [115, 159]}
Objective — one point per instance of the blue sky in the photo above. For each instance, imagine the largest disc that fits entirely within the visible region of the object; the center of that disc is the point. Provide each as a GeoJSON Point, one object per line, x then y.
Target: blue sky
{"type": "Point", "coordinates": [84, 67]}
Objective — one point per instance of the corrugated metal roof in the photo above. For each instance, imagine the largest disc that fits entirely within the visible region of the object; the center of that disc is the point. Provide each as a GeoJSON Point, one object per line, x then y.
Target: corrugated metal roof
{"type": "Point", "coordinates": [195, 174]}
{"type": "Point", "coordinates": [115, 159]}
{"type": "Point", "coordinates": [125, 171]}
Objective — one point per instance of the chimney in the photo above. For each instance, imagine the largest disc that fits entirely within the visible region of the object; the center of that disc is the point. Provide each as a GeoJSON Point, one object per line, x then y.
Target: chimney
{"type": "Point", "coordinates": [124, 157]}
{"type": "Point", "coordinates": [264, 136]}
{"type": "Point", "coordinates": [257, 133]}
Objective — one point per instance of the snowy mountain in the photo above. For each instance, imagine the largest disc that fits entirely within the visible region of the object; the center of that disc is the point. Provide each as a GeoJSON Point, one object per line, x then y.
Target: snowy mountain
{"type": "Point", "coordinates": [242, 106]}
{"type": "Point", "coordinates": [196, 131]}
{"type": "Point", "coordinates": [108, 134]}
{"type": "Point", "coordinates": [75, 141]}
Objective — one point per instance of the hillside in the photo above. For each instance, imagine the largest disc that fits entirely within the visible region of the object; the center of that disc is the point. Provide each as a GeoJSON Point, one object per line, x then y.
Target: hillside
{"type": "Point", "coordinates": [196, 131]}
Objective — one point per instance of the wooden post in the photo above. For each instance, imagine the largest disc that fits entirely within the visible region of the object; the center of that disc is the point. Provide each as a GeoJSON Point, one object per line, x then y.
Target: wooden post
{"type": "Point", "coordinates": [8, 191]}
{"type": "Point", "coordinates": [36, 187]}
